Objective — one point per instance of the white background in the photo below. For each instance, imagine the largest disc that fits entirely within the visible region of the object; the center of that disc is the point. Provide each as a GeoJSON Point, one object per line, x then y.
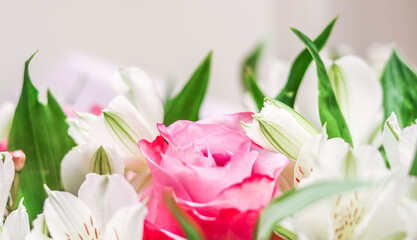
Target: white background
{"type": "Point", "coordinates": [168, 38]}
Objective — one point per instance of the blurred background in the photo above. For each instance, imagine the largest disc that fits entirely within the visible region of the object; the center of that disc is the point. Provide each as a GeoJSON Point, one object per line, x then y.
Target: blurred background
{"type": "Point", "coordinates": [90, 39]}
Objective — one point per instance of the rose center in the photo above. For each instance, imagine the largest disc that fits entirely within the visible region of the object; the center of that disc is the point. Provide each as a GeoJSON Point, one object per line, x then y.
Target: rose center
{"type": "Point", "coordinates": [221, 159]}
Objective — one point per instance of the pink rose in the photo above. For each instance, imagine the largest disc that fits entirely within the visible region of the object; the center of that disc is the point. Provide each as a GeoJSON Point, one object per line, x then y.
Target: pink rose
{"type": "Point", "coordinates": [214, 172]}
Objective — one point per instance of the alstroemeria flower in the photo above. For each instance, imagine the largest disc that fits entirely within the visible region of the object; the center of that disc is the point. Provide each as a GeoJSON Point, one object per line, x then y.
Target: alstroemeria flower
{"type": "Point", "coordinates": [368, 213]}
{"type": "Point", "coordinates": [127, 119]}
{"type": "Point", "coordinates": [358, 94]}
{"type": "Point", "coordinates": [107, 208]}
{"type": "Point", "coordinates": [119, 127]}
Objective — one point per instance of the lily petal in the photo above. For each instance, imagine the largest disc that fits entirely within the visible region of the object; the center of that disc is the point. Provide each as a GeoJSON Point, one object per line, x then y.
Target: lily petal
{"type": "Point", "coordinates": [140, 90]}
{"type": "Point", "coordinates": [68, 217]}
{"type": "Point", "coordinates": [16, 226]}
{"type": "Point", "coordinates": [127, 223]}
{"type": "Point", "coordinates": [105, 195]}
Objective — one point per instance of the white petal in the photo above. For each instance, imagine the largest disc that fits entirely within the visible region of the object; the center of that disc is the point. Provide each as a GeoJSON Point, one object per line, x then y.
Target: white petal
{"type": "Point", "coordinates": [306, 101]}
{"type": "Point", "coordinates": [314, 222]}
{"type": "Point", "coordinates": [362, 104]}
{"type": "Point", "coordinates": [126, 111]}
{"type": "Point", "coordinates": [16, 226]}
{"type": "Point", "coordinates": [370, 165]}
{"type": "Point", "coordinates": [127, 223]}
{"type": "Point", "coordinates": [6, 180]}
{"type": "Point", "coordinates": [407, 146]}
{"type": "Point", "coordinates": [409, 214]}
{"type": "Point", "coordinates": [78, 162]}
{"type": "Point", "coordinates": [390, 142]}
{"type": "Point", "coordinates": [68, 217]}
{"type": "Point", "coordinates": [80, 128]}
{"type": "Point", "coordinates": [383, 217]}
{"type": "Point", "coordinates": [39, 224]}
{"type": "Point", "coordinates": [105, 195]}
{"type": "Point", "coordinates": [37, 236]}
{"type": "Point", "coordinates": [139, 88]}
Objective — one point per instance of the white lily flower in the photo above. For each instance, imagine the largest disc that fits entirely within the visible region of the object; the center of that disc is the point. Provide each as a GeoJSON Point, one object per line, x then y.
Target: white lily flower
{"type": "Point", "coordinates": [107, 208]}
{"type": "Point", "coordinates": [369, 213]}
{"type": "Point", "coordinates": [120, 127]}
{"type": "Point", "coordinates": [358, 93]}
{"type": "Point", "coordinates": [399, 144]}
{"type": "Point", "coordinates": [88, 158]}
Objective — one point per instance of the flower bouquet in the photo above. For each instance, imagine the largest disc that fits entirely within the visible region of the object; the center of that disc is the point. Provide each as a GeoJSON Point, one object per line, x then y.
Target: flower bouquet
{"type": "Point", "coordinates": [331, 155]}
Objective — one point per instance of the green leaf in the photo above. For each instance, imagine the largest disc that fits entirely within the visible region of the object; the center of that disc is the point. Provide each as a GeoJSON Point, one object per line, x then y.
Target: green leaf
{"type": "Point", "coordinates": [190, 228]}
{"type": "Point", "coordinates": [295, 200]}
{"type": "Point", "coordinates": [186, 105]}
{"type": "Point", "coordinates": [329, 110]}
{"type": "Point", "coordinates": [399, 85]}
{"type": "Point", "coordinates": [299, 67]}
{"type": "Point", "coordinates": [254, 90]}
{"type": "Point", "coordinates": [41, 132]}
{"type": "Point", "coordinates": [251, 61]}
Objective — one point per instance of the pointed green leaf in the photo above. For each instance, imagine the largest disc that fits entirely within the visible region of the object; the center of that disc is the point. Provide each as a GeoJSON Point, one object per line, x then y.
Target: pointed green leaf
{"type": "Point", "coordinates": [329, 110]}
{"type": "Point", "coordinates": [191, 230]}
{"type": "Point", "coordinates": [41, 132]}
{"type": "Point", "coordinates": [251, 61]}
{"type": "Point", "coordinates": [299, 67]}
{"type": "Point", "coordinates": [186, 105]}
{"type": "Point", "coordinates": [293, 201]}
{"type": "Point", "coordinates": [254, 90]}
{"type": "Point", "coordinates": [399, 85]}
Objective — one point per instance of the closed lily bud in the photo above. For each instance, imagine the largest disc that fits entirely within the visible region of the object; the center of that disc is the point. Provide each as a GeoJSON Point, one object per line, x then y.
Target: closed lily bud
{"type": "Point", "coordinates": [279, 128]}
{"type": "Point", "coordinates": [19, 159]}
{"type": "Point", "coordinates": [101, 162]}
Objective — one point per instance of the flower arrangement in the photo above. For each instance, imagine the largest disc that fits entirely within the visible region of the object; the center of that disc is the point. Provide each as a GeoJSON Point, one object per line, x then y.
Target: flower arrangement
{"type": "Point", "coordinates": [331, 156]}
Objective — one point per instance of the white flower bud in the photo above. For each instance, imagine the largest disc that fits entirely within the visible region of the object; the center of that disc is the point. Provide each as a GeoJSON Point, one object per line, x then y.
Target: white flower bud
{"type": "Point", "coordinates": [279, 128]}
